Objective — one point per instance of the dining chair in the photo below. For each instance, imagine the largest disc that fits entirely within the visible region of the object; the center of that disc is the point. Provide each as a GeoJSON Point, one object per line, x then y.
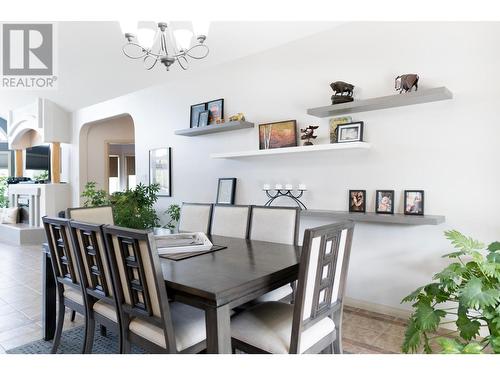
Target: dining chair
{"type": "Point", "coordinates": [195, 217]}
{"type": "Point", "coordinates": [313, 324]}
{"type": "Point", "coordinates": [230, 221]}
{"type": "Point", "coordinates": [93, 215]}
{"type": "Point", "coordinates": [96, 281]}
{"type": "Point", "coordinates": [65, 268]}
{"type": "Point", "coordinates": [148, 318]}
{"type": "Point", "coordinates": [275, 224]}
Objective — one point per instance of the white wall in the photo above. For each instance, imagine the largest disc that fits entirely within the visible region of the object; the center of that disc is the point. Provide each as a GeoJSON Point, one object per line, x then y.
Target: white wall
{"type": "Point", "coordinates": [449, 148]}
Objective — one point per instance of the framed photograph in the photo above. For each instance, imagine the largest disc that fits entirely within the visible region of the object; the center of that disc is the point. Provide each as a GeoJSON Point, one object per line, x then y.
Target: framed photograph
{"type": "Point", "coordinates": [195, 112]}
{"type": "Point", "coordinates": [203, 118]}
{"type": "Point", "coordinates": [350, 132]}
{"type": "Point", "coordinates": [216, 111]}
{"type": "Point", "coordinates": [414, 202]}
{"type": "Point", "coordinates": [384, 202]}
{"type": "Point", "coordinates": [357, 200]}
{"type": "Point", "coordinates": [226, 190]}
{"type": "Point", "coordinates": [160, 170]}
{"type": "Point", "coordinates": [334, 123]}
{"type": "Point", "coordinates": [278, 135]}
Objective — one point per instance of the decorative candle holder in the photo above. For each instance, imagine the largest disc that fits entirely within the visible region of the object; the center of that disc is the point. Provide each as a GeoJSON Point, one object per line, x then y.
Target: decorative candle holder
{"type": "Point", "coordinates": [285, 193]}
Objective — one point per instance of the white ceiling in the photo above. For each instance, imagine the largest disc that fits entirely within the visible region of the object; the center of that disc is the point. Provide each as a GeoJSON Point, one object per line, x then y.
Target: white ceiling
{"type": "Point", "coordinates": [92, 67]}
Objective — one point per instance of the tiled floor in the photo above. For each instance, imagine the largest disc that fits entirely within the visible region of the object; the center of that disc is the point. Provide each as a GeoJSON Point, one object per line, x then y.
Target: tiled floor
{"type": "Point", "coordinates": [20, 309]}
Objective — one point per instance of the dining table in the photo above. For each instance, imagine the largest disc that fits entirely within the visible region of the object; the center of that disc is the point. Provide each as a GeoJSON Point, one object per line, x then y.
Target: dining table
{"type": "Point", "coordinates": [216, 282]}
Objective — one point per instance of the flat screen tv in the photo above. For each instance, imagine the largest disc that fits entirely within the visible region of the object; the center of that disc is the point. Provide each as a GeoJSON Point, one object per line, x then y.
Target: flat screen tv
{"type": "Point", "coordinates": [38, 158]}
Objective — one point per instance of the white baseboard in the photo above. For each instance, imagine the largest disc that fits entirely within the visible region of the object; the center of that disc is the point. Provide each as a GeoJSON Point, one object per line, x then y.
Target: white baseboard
{"type": "Point", "coordinates": [375, 307]}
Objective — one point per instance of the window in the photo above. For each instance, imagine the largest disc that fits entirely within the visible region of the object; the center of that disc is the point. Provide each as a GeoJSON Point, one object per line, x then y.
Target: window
{"type": "Point", "coordinates": [114, 174]}
{"type": "Point", "coordinates": [130, 165]}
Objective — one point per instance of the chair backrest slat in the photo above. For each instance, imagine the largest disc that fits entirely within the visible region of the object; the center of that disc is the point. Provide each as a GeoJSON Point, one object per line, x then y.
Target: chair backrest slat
{"type": "Point", "coordinates": [195, 217]}
{"type": "Point", "coordinates": [322, 274]}
{"type": "Point", "coordinates": [230, 221]}
{"type": "Point", "coordinates": [275, 224]}
{"type": "Point", "coordinates": [138, 277]}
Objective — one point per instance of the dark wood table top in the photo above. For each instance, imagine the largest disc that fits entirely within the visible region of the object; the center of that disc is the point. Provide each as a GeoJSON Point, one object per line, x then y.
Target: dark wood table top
{"type": "Point", "coordinates": [228, 275]}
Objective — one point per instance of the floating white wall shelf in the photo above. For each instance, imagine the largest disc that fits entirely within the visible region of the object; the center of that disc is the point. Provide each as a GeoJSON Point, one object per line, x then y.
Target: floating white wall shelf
{"type": "Point", "coordinates": [371, 217]}
{"type": "Point", "coordinates": [292, 150]}
{"type": "Point", "coordinates": [383, 102]}
{"type": "Point", "coordinates": [228, 126]}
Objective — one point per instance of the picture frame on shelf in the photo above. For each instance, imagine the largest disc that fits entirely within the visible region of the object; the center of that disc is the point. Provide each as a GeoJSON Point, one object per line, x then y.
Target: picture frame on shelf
{"type": "Point", "coordinates": [350, 132]}
{"type": "Point", "coordinates": [414, 202]}
{"type": "Point", "coordinates": [203, 118]}
{"type": "Point", "coordinates": [357, 201]}
{"type": "Point", "coordinates": [278, 134]}
{"type": "Point", "coordinates": [334, 123]}
{"type": "Point", "coordinates": [216, 111]}
{"type": "Point", "coordinates": [195, 112]}
{"type": "Point", "coordinates": [384, 202]}
{"type": "Point", "coordinates": [226, 190]}
{"type": "Point", "coordinates": [160, 170]}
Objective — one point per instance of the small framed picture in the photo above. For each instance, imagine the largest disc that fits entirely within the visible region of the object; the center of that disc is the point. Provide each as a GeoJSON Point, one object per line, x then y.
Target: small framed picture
{"type": "Point", "coordinates": [216, 111]}
{"type": "Point", "coordinates": [334, 123]}
{"type": "Point", "coordinates": [414, 202]}
{"type": "Point", "coordinates": [384, 202]}
{"type": "Point", "coordinates": [350, 132]}
{"type": "Point", "coordinates": [278, 135]}
{"type": "Point", "coordinates": [357, 200]}
{"type": "Point", "coordinates": [226, 190]}
{"type": "Point", "coordinates": [195, 112]}
{"type": "Point", "coordinates": [203, 118]}
{"type": "Point", "coordinates": [160, 170]}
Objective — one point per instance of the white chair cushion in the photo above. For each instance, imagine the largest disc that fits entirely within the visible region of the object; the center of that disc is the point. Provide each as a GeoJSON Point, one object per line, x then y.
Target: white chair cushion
{"type": "Point", "coordinates": [230, 221]}
{"type": "Point", "coordinates": [73, 294]}
{"type": "Point", "coordinates": [268, 326]}
{"type": "Point", "coordinates": [273, 225]}
{"type": "Point", "coordinates": [106, 310]}
{"type": "Point", "coordinates": [188, 322]}
{"type": "Point", "coordinates": [275, 295]}
{"type": "Point", "coordinates": [93, 215]}
{"type": "Point", "coordinates": [9, 215]}
{"type": "Point", "coordinates": [194, 218]}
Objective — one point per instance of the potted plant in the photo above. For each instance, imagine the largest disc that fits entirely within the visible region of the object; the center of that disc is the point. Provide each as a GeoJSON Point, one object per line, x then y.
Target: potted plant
{"type": "Point", "coordinates": [466, 293]}
{"type": "Point", "coordinates": [174, 214]}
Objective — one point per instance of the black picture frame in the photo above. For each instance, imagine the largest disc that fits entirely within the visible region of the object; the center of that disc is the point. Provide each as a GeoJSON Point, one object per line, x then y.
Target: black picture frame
{"type": "Point", "coordinates": [220, 104]}
{"type": "Point", "coordinates": [203, 118]}
{"type": "Point", "coordinates": [379, 195]}
{"type": "Point", "coordinates": [165, 153]}
{"type": "Point", "coordinates": [358, 124]}
{"type": "Point", "coordinates": [418, 212]}
{"type": "Point", "coordinates": [226, 197]}
{"type": "Point", "coordinates": [363, 206]}
{"type": "Point", "coordinates": [195, 111]}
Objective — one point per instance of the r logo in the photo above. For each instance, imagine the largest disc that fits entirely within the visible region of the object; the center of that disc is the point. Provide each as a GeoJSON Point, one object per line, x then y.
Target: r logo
{"type": "Point", "coordinates": [28, 49]}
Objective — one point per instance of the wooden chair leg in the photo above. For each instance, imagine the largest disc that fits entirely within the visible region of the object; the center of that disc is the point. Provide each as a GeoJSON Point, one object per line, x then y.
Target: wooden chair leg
{"type": "Point", "coordinates": [59, 327]}
{"type": "Point", "coordinates": [73, 315]}
{"type": "Point", "coordinates": [337, 319]}
{"type": "Point", "coordinates": [125, 343]}
{"type": "Point", "coordinates": [89, 335]}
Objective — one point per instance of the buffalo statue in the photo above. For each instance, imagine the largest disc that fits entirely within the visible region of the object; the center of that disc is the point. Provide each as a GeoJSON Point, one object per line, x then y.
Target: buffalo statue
{"type": "Point", "coordinates": [406, 82]}
{"type": "Point", "coordinates": [339, 88]}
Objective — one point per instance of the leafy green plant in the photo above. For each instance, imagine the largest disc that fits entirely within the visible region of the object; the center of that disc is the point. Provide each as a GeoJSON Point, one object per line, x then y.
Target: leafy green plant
{"type": "Point", "coordinates": [472, 284]}
{"type": "Point", "coordinates": [42, 176]}
{"type": "Point", "coordinates": [4, 200]}
{"type": "Point", "coordinates": [174, 213]}
{"type": "Point", "coordinates": [94, 197]}
{"type": "Point", "coordinates": [133, 208]}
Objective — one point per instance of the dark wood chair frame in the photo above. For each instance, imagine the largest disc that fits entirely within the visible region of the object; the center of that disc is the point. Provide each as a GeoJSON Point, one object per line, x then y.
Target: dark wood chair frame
{"type": "Point", "coordinates": [128, 239]}
{"type": "Point", "coordinates": [230, 206]}
{"type": "Point", "coordinates": [98, 288]}
{"type": "Point", "coordinates": [331, 343]}
{"type": "Point", "coordinates": [209, 224]}
{"type": "Point", "coordinates": [61, 255]}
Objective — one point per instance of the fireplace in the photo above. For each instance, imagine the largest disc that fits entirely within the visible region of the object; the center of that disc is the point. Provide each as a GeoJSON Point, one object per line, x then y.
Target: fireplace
{"type": "Point", "coordinates": [23, 203]}
{"type": "Point", "coordinates": [27, 198]}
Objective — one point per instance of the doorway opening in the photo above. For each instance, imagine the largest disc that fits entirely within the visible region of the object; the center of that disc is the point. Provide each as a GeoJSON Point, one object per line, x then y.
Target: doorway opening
{"type": "Point", "coordinates": [121, 167]}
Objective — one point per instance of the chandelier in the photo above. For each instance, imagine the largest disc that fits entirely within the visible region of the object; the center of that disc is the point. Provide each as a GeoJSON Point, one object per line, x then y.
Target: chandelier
{"type": "Point", "coordinates": [164, 46]}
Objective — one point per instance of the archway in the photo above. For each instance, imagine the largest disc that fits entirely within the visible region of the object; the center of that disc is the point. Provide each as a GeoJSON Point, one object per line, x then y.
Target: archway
{"type": "Point", "coordinates": [103, 154]}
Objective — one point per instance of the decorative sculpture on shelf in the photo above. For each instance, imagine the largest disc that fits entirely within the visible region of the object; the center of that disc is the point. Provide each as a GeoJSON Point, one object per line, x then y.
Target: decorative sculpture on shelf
{"type": "Point", "coordinates": [308, 134]}
{"type": "Point", "coordinates": [238, 117]}
{"type": "Point", "coordinates": [339, 89]}
{"type": "Point", "coordinates": [406, 82]}
{"type": "Point", "coordinates": [286, 192]}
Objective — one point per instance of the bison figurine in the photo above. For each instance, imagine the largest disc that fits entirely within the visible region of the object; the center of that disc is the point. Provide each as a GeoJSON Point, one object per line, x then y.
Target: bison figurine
{"type": "Point", "coordinates": [406, 82]}
{"type": "Point", "coordinates": [339, 89]}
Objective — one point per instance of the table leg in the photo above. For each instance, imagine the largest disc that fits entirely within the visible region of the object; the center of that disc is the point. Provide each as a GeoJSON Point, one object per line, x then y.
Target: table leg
{"type": "Point", "coordinates": [218, 322]}
{"type": "Point", "coordinates": [49, 299]}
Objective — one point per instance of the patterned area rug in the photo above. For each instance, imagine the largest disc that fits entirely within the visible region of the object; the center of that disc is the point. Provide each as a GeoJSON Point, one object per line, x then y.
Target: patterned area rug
{"type": "Point", "coordinates": [72, 343]}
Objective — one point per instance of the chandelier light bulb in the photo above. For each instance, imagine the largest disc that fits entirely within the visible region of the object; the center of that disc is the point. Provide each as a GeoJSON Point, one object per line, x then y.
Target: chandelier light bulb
{"type": "Point", "coordinates": [128, 27]}
{"type": "Point", "coordinates": [183, 38]}
{"type": "Point", "coordinates": [146, 37]}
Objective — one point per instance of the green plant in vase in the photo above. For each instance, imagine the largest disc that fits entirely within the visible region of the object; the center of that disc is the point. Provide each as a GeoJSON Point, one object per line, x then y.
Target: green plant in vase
{"type": "Point", "coordinates": [94, 197]}
{"type": "Point", "coordinates": [471, 285]}
{"type": "Point", "coordinates": [174, 214]}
